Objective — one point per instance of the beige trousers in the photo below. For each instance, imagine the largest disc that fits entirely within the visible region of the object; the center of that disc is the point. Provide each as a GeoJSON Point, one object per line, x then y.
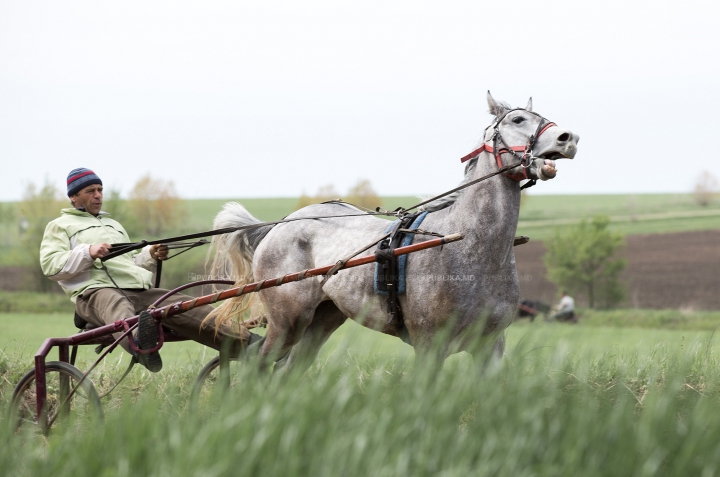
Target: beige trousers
{"type": "Point", "coordinates": [102, 306]}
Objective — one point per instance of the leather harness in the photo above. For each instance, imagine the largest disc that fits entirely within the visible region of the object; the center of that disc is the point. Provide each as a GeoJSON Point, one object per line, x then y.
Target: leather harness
{"type": "Point", "coordinates": [388, 271]}
{"type": "Point", "coordinates": [526, 157]}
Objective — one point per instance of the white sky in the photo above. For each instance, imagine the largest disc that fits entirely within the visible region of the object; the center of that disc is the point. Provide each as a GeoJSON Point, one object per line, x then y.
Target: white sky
{"type": "Point", "coordinates": [273, 98]}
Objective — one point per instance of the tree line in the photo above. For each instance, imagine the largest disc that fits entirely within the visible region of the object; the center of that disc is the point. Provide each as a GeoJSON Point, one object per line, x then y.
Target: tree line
{"type": "Point", "coordinates": [152, 207]}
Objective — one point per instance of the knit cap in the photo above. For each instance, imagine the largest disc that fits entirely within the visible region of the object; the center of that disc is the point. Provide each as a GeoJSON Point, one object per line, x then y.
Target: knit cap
{"type": "Point", "coordinates": [80, 178]}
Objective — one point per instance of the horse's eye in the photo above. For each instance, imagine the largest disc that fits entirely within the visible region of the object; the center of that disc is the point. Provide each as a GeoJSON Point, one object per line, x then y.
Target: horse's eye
{"type": "Point", "coordinates": [518, 119]}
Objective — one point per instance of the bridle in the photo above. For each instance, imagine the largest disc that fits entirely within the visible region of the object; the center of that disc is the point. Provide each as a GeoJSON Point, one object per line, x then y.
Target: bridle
{"type": "Point", "coordinates": [526, 157]}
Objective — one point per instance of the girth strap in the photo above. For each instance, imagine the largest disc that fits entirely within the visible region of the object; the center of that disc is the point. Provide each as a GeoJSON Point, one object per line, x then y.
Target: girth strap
{"type": "Point", "coordinates": [388, 271]}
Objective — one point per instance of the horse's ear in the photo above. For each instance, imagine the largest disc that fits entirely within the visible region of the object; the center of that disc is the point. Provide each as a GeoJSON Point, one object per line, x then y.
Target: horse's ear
{"type": "Point", "coordinates": [496, 107]}
{"type": "Point", "coordinates": [529, 105]}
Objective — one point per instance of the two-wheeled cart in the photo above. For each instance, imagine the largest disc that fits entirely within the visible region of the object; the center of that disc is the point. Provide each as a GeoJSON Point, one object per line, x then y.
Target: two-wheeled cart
{"type": "Point", "coordinates": [52, 389]}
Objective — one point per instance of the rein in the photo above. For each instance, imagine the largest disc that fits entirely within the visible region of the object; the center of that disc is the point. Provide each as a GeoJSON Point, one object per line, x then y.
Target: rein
{"type": "Point", "coordinates": [525, 160]}
{"type": "Point", "coordinates": [123, 248]}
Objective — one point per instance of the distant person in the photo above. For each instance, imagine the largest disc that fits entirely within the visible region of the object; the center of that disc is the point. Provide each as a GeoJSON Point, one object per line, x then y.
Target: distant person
{"type": "Point", "coordinates": [104, 292]}
{"type": "Point", "coordinates": [565, 309]}
{"type": "Point", "coordinates": [23, 225]}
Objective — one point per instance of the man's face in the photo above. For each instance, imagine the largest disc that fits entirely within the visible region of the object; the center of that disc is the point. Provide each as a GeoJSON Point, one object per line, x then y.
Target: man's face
{"type": "Point", "coordinates": [90, 198]}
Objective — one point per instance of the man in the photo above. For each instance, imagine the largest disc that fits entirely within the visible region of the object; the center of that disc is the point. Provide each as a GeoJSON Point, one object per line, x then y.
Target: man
{"type": "Point", "coordinates": [565, 309]}
{"type": "Point", "coordinates": [104, 292]}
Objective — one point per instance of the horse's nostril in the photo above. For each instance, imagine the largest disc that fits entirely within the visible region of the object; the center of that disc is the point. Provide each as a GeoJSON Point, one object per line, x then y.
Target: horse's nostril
{"type": "Point", "coordinates": [563, 137]}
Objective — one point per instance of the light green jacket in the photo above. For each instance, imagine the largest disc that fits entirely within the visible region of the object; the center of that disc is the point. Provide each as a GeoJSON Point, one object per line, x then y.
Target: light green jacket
{"type": "Point", "coordinates": [65, 254]}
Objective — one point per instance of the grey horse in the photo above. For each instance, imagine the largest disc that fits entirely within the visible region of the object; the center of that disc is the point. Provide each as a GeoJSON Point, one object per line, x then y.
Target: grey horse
{"type": "Point", "coordinates": [467, 292]}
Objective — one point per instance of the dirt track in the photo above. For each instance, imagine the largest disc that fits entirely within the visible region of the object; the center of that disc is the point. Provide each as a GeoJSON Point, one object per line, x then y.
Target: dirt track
{"type": "Point", "coordinates": [679, 270]}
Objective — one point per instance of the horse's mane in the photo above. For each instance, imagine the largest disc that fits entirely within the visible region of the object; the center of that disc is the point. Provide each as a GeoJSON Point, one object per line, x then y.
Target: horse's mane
{"type": "Point", "coordinates": [450, 199]}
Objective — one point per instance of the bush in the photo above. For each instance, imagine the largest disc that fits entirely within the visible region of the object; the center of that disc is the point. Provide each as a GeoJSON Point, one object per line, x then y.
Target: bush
{"type": "Point", "coordinates": [38, 207]}
{"type": "Point", "coordinates": [582, 260]}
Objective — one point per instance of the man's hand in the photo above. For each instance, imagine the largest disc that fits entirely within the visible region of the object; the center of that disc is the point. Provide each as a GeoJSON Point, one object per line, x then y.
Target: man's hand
{"type": "Point", "coordinates": [159, 252]}
{"type": "Point", "coordinates": [99, 250]}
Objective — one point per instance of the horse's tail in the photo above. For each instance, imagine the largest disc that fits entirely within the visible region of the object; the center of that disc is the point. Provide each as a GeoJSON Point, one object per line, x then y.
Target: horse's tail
{"type": "Point", "coordinates": [232, 256]}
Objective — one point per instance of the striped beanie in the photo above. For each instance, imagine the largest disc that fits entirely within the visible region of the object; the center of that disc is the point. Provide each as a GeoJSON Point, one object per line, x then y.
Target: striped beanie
{"type": "Point", "coordinates": [80, 178]}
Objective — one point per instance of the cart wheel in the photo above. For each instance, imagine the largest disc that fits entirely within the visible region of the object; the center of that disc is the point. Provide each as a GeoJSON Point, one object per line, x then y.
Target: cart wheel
{"type": "Point", "coordinates": [61, 378]}
{"type": "Point", "coordinates": [208, 378]}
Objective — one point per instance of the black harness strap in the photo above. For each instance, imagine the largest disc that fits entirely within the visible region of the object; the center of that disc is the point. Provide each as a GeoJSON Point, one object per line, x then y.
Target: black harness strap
{"type": "Point", "coordinates": [389, 278]}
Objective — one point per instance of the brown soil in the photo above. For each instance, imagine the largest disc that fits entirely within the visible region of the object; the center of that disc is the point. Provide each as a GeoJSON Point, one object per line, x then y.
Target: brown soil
{"type": "Point", "coordinates": [678, 270]}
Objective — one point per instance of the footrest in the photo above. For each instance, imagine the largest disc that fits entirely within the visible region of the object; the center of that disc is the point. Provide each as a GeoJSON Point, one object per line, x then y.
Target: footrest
{"type": "Point", "coordinates": [147, 337]}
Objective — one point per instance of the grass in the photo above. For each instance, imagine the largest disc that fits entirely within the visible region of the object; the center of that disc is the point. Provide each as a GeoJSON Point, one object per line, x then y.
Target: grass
{"type": "Point", "coordinates": [23, 333]}
{"type": "Point", "coordinates": [629, 214]}
{"type": "Point", "coordinates": [548, 207]}
{"type": "Point", "coordinates": [655, 319]}
{"type": "Point", "coordinates": [35, 302]}
{"type": "Point", "coordinates": [567, 400]}
{"type": "Point", "coordinates": [543, 230]}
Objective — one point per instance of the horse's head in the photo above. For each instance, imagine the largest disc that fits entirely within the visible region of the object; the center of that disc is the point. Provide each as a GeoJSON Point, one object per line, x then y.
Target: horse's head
{"type": "Point", "coordinates": [520, 134]}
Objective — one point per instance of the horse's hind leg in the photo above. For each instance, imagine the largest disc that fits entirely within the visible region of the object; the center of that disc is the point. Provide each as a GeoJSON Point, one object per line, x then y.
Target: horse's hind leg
{"type": "Point", "coordinates": [280, 338]}
{"type": "Point", "coordinates": [327, 319]}
{"type": "Point", "coordinates": [288, 314]}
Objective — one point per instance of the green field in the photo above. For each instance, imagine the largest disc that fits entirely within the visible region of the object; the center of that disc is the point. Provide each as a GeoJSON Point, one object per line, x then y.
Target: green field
{"type": "Point", "coordinates": [629, 214]}
{"type": "Point", "coordinates": [539, 214]}
{"type": "Point", "coordinates": [566, 400]}
{"type": "Point", "coordinates": [23, 333]}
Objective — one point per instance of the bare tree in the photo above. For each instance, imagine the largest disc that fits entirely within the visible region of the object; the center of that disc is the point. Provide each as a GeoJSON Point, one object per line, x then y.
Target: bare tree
{"type": "Point", "coordinates": [324, 193]}
{"type": "Point", "coordinates": [706, 188]}
{"type": "Point", "coordinates": [154, 206]}
{"type": "Point", "coordinates": [362, 194]}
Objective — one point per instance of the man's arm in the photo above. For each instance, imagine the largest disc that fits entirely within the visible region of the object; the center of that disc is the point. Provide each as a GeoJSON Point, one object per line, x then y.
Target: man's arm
{"type": "Point", "coordinates": [148, 256]}
{"type": "Point", "coordinates": [61, 262]}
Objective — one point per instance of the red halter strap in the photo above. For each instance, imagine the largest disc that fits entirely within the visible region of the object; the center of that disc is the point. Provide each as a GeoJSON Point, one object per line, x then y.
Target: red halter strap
{"type": "Point", "coordinates": [545, 128]}
{"type": "Point", "coordinates": [525, 150]}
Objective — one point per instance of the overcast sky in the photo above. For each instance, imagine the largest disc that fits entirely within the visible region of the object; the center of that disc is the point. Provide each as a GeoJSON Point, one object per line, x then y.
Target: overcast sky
{"type": "Point", "coordinates": [276, 98]}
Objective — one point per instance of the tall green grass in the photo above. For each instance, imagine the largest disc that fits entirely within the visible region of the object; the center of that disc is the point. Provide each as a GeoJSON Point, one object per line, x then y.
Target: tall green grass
{"type": "Point", "coordinates": [553, 407]}
{"type": "Point", "coordinates": [22, 333]}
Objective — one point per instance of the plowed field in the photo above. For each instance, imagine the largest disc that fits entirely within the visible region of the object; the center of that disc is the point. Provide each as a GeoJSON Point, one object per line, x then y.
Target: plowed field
{"type": "Point", "coordinates": [678, 270]}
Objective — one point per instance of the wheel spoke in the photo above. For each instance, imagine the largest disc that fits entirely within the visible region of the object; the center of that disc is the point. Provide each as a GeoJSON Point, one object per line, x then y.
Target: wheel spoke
{"type": "Point", "coordinates": [61, 378]}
